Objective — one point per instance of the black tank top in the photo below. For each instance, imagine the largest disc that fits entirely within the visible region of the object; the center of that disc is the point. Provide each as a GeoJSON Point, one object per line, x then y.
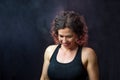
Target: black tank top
{"type": "Point", "coordinates": [67, 71]}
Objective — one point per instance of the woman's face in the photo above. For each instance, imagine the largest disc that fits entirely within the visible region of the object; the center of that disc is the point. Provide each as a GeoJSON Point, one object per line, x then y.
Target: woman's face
{"type": "Point", "coordinates": [67, 37]}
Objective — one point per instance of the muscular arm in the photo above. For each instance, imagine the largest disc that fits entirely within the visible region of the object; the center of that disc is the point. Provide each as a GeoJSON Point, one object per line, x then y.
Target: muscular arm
{"type": "Point", "coordinates": [92, 65]}
{"type": "Point", "coordinates": [47, 56]}
{"type": "Point", "coordinates": [45, 66]}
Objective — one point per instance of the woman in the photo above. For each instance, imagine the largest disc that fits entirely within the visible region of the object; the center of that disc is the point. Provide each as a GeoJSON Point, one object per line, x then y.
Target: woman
{"type": "Point", "coordinates": [69, 59]}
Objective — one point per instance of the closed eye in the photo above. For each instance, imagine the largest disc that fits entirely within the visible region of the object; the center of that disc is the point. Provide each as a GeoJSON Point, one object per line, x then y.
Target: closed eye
{"type": "Point", "coordinates": [69, 36]}
{"type": "Point", "coordinates": [60, 35]}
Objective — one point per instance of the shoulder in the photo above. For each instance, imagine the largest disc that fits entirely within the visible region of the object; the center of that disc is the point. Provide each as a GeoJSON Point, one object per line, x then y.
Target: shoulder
{"type": "Point", "coordinates": [88, 51]}
{"type": "Point", "coordinates": [49, 50]}
{"type": "Point", "coordinates": [88, 54]}
{"type": "Point", "coordinates": [90, 63]}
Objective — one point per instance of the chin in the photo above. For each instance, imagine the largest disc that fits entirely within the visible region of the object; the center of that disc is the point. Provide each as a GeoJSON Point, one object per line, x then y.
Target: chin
{"type": "Point", "coordinates": [67, 45]}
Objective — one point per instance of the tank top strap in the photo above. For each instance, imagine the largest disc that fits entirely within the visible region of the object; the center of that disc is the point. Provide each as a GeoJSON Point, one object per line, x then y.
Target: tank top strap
{"type": "Point", "coordinates": [78, 57]}
{"type": "Point", "coordinates": [53, 57]}
{"type": "Point", "coordinates": [79, 52]}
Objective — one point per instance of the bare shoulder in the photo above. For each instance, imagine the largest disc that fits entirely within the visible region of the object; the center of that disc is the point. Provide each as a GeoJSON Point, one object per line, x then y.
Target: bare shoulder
{"type": "Point", "coordinates": [90, 62]}
{"type": "Point", "coordinates": [49, 50]}
{"type": "Point", "coordinates": [88, 53]}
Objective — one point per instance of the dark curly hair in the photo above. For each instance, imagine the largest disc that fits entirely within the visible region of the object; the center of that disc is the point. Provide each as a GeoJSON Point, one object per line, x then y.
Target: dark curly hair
{"type": "Point", "coordinates": [72, 20]}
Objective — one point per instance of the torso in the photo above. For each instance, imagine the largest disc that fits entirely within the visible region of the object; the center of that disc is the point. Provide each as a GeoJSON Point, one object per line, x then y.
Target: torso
{"type": "Point", "coordinates": [83, 56]}
{"type": "Point", "coordinates": [72, 70]}
{"type": "Point", "coordinates": [66, 56]}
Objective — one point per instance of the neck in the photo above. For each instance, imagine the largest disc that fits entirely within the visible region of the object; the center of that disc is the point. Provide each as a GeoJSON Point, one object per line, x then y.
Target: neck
{"type": "Point", "coordinates": [70, 48]}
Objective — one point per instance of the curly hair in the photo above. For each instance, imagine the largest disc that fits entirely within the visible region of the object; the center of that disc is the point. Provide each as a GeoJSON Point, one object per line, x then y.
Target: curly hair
{"type": "Point", "coordinates": [72, 20]}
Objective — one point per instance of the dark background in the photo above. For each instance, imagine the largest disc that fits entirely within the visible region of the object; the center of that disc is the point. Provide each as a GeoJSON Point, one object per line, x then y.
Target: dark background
{"type": "Point", "coordinates": [24, 35]}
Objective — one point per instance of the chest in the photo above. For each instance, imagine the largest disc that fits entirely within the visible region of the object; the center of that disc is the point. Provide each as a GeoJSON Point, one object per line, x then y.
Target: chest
{"type": "Point", "coordinates": [73, 70]}
{"type": "Point", "coordinates": [66, 71]}
{"type": "Point", "coordinates": [65, 57]}
{"type": "Point", "coordinates": [66, 66]}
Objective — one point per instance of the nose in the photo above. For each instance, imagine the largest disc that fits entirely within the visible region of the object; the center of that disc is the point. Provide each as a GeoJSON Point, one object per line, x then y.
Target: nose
{"type": "Point", "coordinates": [64, 40]}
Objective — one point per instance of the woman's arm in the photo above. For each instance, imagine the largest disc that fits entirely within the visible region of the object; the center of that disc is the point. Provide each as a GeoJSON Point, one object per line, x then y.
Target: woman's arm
{"type": "Point", "coordinates": [48, 53]}
{"type": "Point", "coordinates": [44, 75]}
{"type": "Point", "coordinates": [92, 65]}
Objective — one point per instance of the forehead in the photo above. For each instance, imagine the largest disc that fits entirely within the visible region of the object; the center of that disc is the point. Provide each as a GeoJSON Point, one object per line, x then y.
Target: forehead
{"type": "Point", "coordinates": [65, 31]}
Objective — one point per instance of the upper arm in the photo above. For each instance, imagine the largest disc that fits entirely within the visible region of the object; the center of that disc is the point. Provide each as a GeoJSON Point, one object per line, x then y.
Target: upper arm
{"type": "Point", "coordinates": [45, 65]}
{"type": "Point", "coordinates": [92, 65]}
{"type": "Point", "coordinates": [48, 53]}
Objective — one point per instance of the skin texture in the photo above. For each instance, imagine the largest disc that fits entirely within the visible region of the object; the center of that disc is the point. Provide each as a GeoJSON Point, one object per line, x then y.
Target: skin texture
{"type": "Point", "coordinates": [67, 52]}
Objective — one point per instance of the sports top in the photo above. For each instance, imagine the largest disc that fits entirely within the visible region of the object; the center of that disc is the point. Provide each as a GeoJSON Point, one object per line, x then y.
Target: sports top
{"type": "Point", "coordinates": [73, 70]}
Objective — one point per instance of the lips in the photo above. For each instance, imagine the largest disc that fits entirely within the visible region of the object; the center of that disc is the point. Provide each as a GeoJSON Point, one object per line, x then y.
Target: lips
{"type": "Point", "coordinates": [66, 44]}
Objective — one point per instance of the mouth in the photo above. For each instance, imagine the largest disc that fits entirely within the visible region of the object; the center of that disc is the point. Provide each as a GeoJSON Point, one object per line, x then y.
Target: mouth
{"type": "Point", "coordinates": [66, 44]}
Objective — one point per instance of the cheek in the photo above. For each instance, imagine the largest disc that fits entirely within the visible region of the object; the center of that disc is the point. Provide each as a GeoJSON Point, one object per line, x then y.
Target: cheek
{"type": "Point", "coordinates": [59, 39]}
{"type": "Point", "coordinates": [71, 40]}
{"type": "Point", "coordinates": [74, 40]}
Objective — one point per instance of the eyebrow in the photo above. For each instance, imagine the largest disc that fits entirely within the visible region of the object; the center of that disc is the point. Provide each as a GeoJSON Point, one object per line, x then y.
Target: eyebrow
{"type": "Point", "coordinates": [65, 35]}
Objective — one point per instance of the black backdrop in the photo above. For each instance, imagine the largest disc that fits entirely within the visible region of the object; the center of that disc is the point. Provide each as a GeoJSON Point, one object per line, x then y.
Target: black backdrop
{"type": "Point", "coordinates": [24, 35]}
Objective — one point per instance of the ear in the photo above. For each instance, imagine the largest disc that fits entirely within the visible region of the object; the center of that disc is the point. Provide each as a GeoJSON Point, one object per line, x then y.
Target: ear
{"type": "Point", "coordinates": [78, 40]}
